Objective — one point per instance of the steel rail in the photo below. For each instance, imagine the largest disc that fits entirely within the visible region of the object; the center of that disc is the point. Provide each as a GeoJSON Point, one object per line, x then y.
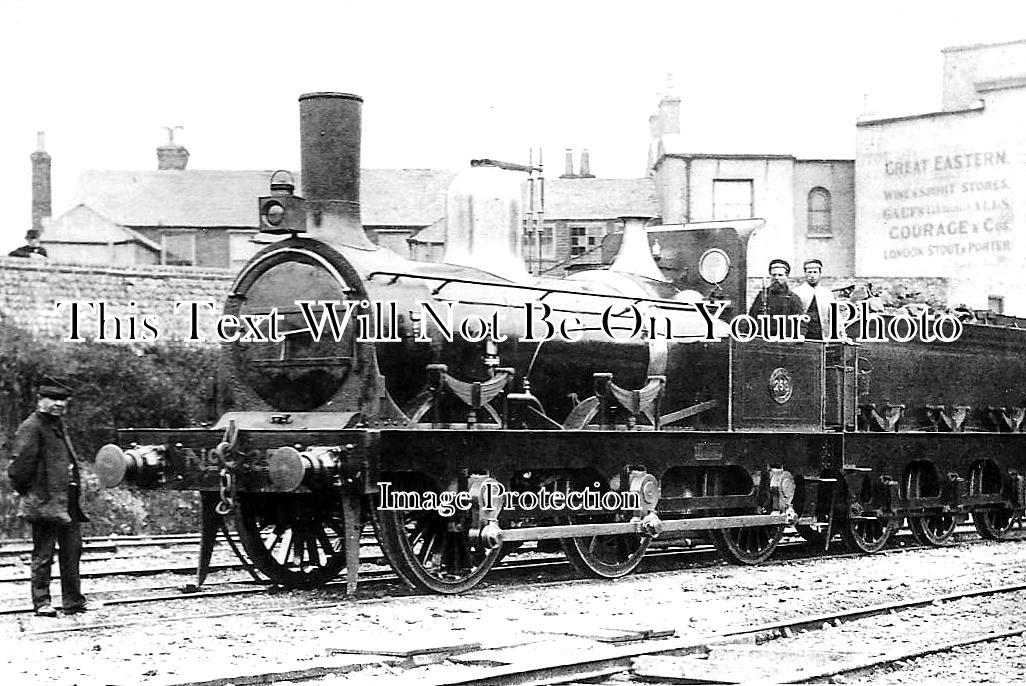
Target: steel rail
{"type": "Point", "coordinates": [793, 550]}
{"type": "Point", "coordinates": [859, 665]}
{"type": "Point", "coordinates": [603, 662]}
{"type": "Point", "coordinates": [611, 661]}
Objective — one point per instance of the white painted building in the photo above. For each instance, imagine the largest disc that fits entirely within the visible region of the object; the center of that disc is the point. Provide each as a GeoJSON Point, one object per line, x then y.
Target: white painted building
{"type": "Point", "coordinates": [943, 194]}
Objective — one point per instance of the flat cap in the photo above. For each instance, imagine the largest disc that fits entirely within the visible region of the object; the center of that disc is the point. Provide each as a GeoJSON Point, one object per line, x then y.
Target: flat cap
{"type": "Point", "coordinates": [815, 261]}
{"type": "Point", "coordinates": [52, 387]}
{"type": "Point", "coordinates": [780, 263]}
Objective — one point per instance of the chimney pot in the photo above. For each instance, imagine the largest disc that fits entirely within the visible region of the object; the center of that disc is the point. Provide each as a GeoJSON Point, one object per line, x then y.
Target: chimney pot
{"type": "Point", "coordinates": [569, 173]}
{"type": "Point", "coordinates": [586, 165]}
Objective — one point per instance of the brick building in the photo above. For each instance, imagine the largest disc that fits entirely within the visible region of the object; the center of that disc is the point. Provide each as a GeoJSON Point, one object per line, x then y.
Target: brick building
{"type": "Point", "coordinates": [208, 218]}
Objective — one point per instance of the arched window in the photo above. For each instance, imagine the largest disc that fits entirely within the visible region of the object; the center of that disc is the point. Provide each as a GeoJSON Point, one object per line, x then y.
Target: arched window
{"type": "Point", "coordinates": [819, 212]}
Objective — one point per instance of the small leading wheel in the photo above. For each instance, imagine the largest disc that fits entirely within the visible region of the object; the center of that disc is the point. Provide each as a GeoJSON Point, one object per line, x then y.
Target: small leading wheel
{"type": "Point", "coordinates": [748, 545]}
{"type": "Point", "coordinates": [994, 523]}
{"type": "Point", "coordinates": [867, 534]}
{"type": "Point", "coordinates": [433, 553]}
{"type": "Point", "coordinates": [297, 541]}
{"type": "Point", "coordinates": [606, 556]}
{"type": "Point", "coordinates": [933, 529]}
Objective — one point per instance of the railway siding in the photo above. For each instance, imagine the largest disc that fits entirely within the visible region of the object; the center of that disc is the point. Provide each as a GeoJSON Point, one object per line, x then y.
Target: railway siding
{"type": "Point", "coordinates": [307, 630]}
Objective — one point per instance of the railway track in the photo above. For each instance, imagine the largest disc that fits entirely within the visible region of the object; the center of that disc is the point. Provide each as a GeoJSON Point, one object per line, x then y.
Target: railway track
{"type": "Point", "coordinates": [790, 546]}
{"type": "Point", "coordinates": [325, 630]}
{"type": "Point", "coordinates": [384, 583]}
{"type": "Point", "coordinates": [677, 660]}
{"type": "Point", "coordinates": [384, 580]}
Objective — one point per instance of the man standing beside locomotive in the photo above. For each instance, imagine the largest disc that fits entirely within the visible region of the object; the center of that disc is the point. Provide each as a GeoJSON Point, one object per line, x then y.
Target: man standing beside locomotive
{"type": "Point", "coordinates": [44, 472]}
{"type": "Point", "coordinates": [777, 299]}
{"type": "Point", "coordinates": [816, 299]}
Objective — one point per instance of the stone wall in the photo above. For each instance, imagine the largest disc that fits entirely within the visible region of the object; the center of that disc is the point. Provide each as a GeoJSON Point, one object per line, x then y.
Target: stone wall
{"type": "Point", "coordinates": [141, 296]}
{"type": "Point", "coordinates": [30, 289]}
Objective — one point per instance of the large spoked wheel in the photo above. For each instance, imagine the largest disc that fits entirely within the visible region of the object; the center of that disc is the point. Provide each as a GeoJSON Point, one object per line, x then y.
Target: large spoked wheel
{"type": "Point", "coordinates": [748, 545]}
{"type": "Point", "coordinates": [297, 541]}
{"type": "Point", "coordinates": [933, 529]}
{"type": "Point", "coordinates": [867, 534]}
{"type": "Point", "coordinates": [607, 556]}
{"type": "Point", "coordinates": [433, 553]}
{"type": "Point", "coordinates": [994, 523]}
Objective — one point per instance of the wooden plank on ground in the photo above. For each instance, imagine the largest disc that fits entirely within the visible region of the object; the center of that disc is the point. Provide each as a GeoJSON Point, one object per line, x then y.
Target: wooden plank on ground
{"type": "Point", "coordinates": [596, 633]}
{"type": "Point", "coordinates": [405, 646]}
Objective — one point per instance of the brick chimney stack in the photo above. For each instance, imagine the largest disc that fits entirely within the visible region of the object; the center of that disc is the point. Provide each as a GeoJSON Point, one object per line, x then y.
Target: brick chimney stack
{"type": "Point", "coordinates": [171, 155]}
{"type": "Point", "coordinates": [41, 203]}
{"type": "Point", "coordinates": [569, 173]}
{"type": "Point", "coordinates": [586, 165]}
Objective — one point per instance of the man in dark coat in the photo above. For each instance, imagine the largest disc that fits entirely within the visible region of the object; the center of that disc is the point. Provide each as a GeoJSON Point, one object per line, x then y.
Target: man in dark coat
{"type": "Point", "coordinates": [44, 472]}
{"type": "Point", "coordinates": [777, 298]}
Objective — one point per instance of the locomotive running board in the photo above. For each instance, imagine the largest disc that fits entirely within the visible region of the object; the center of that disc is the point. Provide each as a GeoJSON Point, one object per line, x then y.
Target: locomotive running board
{"type": "Point", "coordinates": [539, 533]}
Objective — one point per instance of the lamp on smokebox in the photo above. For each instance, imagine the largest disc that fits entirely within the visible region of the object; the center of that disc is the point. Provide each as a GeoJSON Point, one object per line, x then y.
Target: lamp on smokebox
{"type": "Point", "coordinates": [281, 211]}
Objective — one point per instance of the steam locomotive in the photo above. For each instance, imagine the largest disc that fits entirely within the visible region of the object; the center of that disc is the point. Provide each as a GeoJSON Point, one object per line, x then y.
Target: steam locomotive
{"type": "Point", "coordinates": [374, 389]}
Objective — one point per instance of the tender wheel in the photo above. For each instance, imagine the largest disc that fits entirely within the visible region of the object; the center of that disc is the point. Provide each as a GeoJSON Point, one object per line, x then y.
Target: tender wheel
{"type": "Point", "coordinates": [934, 529]}
{"type": "Point", "coordinates": [606, 557]}
{"type": "Point", "coordinates": [297, 541]}
{"type": "Point", "coordinates": [994, 523]}
{"type": "Point", "coordinates": [747, 545]}
{"type": "Point", "coordinates": [433, 553]}
{"type": "Point", "coordinates": [868, 534]}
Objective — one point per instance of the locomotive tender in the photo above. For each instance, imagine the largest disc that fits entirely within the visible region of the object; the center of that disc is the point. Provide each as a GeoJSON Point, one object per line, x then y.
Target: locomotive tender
{"type": "Point", "coordinates": [655, 435]}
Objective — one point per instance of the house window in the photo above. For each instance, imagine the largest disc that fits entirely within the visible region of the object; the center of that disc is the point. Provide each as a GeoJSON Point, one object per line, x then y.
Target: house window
{"type": "Point", "coordinates": [732, 199]}
{"type": "Point", "coordinates": [578, 240]}
{"type": "Point", "coordinates": [178, 248]}
{"type": "Point", "coordinates": [819, 212]}
{"type": "Point", "coordinates": [547, 247]}
{"type": "Point", "coordinates": [585, 239]}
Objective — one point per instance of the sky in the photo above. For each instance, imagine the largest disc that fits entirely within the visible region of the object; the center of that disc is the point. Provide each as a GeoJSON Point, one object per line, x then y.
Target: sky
{"type": "Point", "coordinates": [444, 82]}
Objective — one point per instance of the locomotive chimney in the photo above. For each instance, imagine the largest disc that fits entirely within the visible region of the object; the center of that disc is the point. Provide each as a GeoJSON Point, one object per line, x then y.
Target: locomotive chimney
{"type": "Point", "coordinates": [40, 183]}
{"type": "Point", "coordinates": [635, 255]}
{"type": "Point", "coordinates": [329, 130]}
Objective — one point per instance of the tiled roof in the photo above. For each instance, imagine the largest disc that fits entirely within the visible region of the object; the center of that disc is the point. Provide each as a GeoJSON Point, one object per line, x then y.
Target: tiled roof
{"type": "Point", "coordinates": [599, 198]}
{"type": "Point", "coordinates": [83, 224]}
{"type": "Point", "coordinates": [403, 197]}
{"type": "Point", "coordinates": [432, 234]}
{"type": "Point", "coordinates": [389, 197]}
{"type": "Point", "coordinates": [214, 198]}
